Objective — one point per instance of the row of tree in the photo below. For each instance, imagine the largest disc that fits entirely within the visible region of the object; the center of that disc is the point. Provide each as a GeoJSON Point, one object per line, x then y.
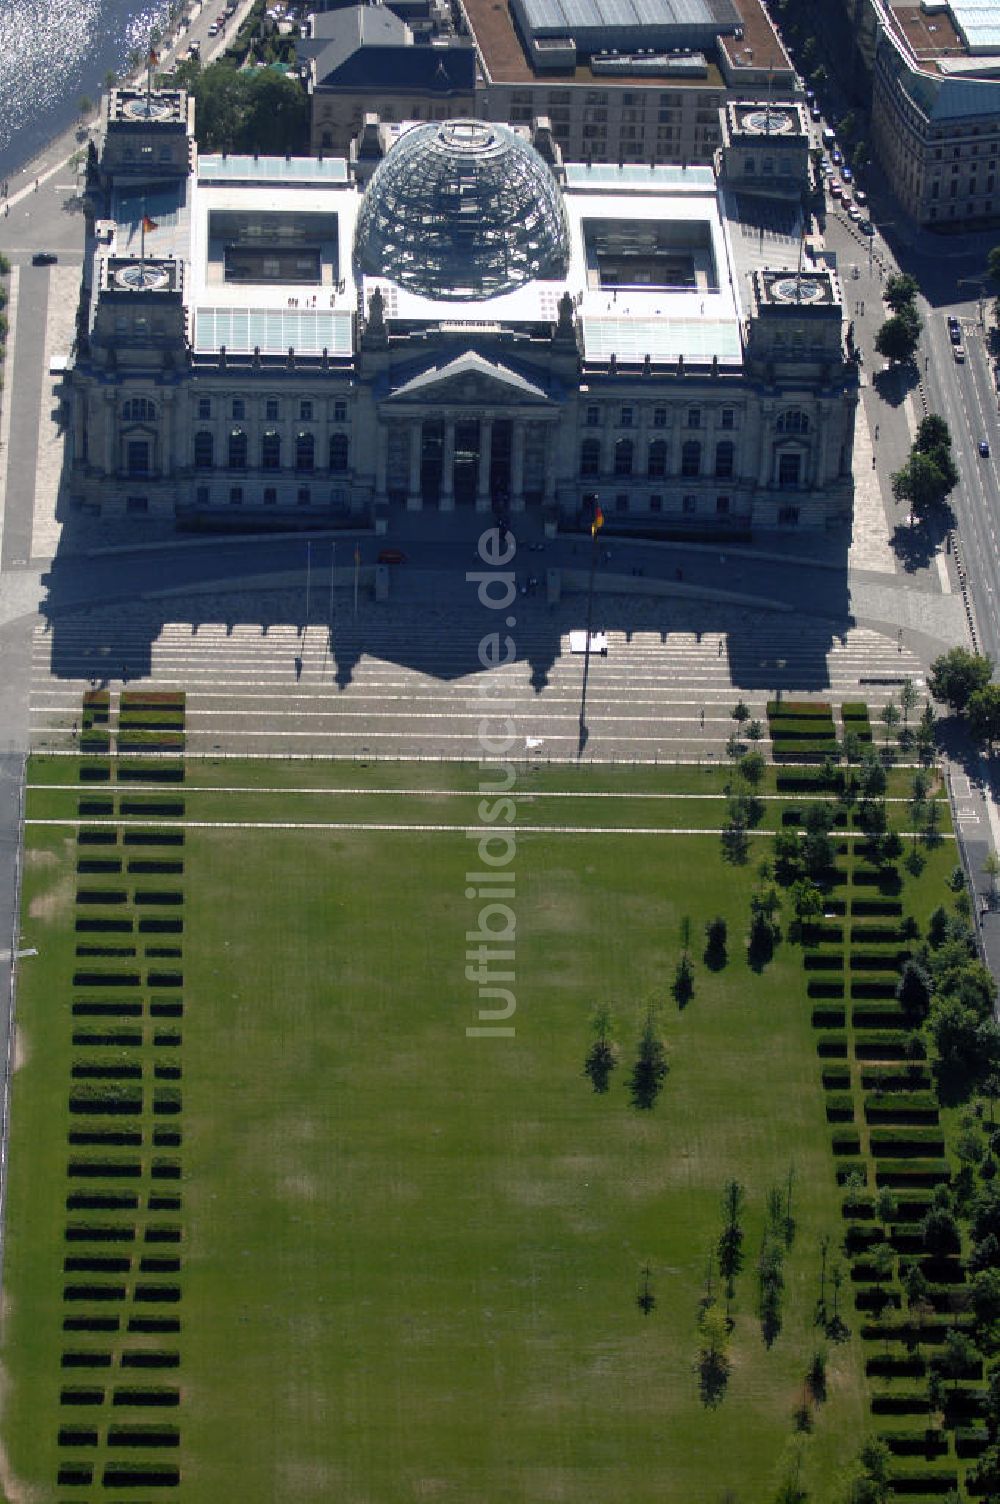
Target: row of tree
{"type": "Point", "coordinates": [930, 474]}
{"type": "Point", "coordinates": [963, 681]}
{"type": "Point", "coordinates": [898, 337]}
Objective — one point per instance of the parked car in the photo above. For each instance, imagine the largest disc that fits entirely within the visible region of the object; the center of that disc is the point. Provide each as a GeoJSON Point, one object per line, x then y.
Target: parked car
{"type": "Point", "coordinates": [984, 448]}
{"type": "Point", "coordinates": [847, 174]}
{"type": "Point", "coordinates": [854, 213]}
{"type": "Point", "coordinates": [860, 196]}
{"type": "Point", "coordinates": [955, 332]}
{"type": "Point", "coordinates": [846, 199]}
{"type": "Point", "coordinates": [834, 187]}
{"type": "Point", "coordinates": [44, 258]}
{"type": "Point", "coordinates": [815, 114]}
{"type": "Point", "coordinates": [866, 227]}
{"type": "Point", "coordinates": [959, 355]}
{"type": "Point", "coordinates": [213, 30]}
{"type": "Point", "coordinates": [837, 155]}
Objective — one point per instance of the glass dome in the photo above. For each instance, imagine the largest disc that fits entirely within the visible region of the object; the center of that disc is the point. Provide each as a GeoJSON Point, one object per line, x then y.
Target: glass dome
{"type": "Point", "coordinates": [462, 209]}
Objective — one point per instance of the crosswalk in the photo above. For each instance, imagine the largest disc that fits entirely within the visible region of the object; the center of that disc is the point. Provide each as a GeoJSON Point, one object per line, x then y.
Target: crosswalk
{"type": "Point", "coordinates": [404, 683]}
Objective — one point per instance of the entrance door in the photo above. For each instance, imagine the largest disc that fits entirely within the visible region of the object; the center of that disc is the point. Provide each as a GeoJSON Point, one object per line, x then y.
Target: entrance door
{"type": "Point", "coordinates": [431, 459]}
{"type": "Point", "coordinates": [500, 447]}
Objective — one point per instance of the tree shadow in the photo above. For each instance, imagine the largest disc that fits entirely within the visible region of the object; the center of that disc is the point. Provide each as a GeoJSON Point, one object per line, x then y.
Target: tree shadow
{"type": "Point", "coordinates": [713, 1378]}
{"type": "Point", "coordinates": [916, 544]}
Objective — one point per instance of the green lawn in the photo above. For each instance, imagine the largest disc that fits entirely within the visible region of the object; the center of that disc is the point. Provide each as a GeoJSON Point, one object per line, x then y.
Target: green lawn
{"type": "Point", "coordinates": [411, 1258]}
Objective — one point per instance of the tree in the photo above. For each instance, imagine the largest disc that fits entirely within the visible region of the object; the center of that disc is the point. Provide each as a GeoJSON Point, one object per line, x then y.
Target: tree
{"type": "Point", "coordinates": [683, 988]}
{"type": "Point", "coordinates": [956, 675]}
{"type": "Point", "coordinates": [650, 1069]}
{"type": "Point", "coordinates": [807, 900]}
{"type": "Point", "coordinates": [900, 290]}
{"type": "Point", "coordinates": [939, 1231]}
{"type": "Point", "coordinates": [860, 156]}
{"type": "Point", "coordinates": [932, 433]}
{"type": "Point", "coordinates": [84, 105]}
{"type": "Point", "coordinates": [983, 716]}
{"type": "Point", "coordinates": [907, 700]}
{"type": "Point", "coordinates": [913, 993]}
{"type": "Point", "coordinates": [871, 776]}
{"type": "Point", "coordinates": [889, 716]}
{"type": "Point", "coordinates": [993, 265]}
{"type": "Point", "coordinates": [713, 1356]}
{"type": "Point", "coordinates": [246, 111]}
{"type": "Point", "coordinates": [958, 1357]}
{"type": "Point", "coordinates": [991, 870]}
{"type": "Point", "coordinates": [921, 483]}
{"type": "Point", "coordinates": [740, 712]}
{"type": "Point", "coordinates": [602, 1057]}
{"type": "Point", "coordinates": [716, 931]}
{"type": "Point", "coordinates": [897, 339]}
{"type": "Point", "coordinates": [985, 1295]}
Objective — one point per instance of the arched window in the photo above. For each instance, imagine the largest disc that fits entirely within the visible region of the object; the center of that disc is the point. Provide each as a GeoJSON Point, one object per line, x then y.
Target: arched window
{"type": "Point", "coordinates": [204, 450]}
{"type": "Point", "coordinates": [270, 450]}
{"type": "Point", "coordinates": [623, 457]}
{"type": "Point", "coordinates": [656, 459]}
{"type": "Point", "coordinates": [691, 458]}
{"type": "Point", "coordinates": [793, 420]}
{"type": "Point", "coordinates": [590, 457]}
{"type": "Point", "coordinates": [237, 449]}
{"type": "Point", "coordinates": [724, 453]}
{"type": "Point", "coordinates": [338, 451]}
{"type": "Point", "coordinates": [305, 451]}
{"type": "Point", "coordinates": [138, 410]}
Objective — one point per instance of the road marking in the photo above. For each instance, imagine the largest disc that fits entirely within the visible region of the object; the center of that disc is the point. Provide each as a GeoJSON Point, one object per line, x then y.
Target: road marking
{"type": "Point", "coordinates": [463, 829]}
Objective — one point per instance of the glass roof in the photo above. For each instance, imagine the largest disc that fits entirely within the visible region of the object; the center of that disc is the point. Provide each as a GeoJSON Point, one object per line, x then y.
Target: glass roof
{"type": "Point", "coordinates": [272, 169]}
{"type": "Point", "coordinates": [274, 330]}
{"type": "Point", "coordinates": [661, 339]}
{"type": "Point", "coordinates": [462, 210]}
{"type": "Point", "coordinates": [639, 175]}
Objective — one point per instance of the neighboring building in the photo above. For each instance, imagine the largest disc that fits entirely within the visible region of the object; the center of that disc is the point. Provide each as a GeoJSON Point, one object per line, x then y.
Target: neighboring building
{"type": "Point", "coordinates": [623, 83]}
{"type": "Point", "coordinates": [453, 320]}
{"type": "Point", "coordinates": [935, 112]}
{"type": "Point", "coordinates": [362, 55]}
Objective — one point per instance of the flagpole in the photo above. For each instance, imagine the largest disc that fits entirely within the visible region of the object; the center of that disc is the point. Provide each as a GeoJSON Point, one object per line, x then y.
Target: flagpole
{"type": "Point", "coordinates": [594, 527]}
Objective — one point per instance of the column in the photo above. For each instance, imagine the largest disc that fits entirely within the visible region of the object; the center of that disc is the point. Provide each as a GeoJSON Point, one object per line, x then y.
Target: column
{"type": "Point", "coordinates": [414, 496]}
{"type": "Point", "coordinates": [448, 467]}
{"type": "Point", "coordinates": [766, 417]}
{"type": "Point", "coordinates": [549, 491]}
{"type": "Point", "coordinates": [381, 457]}
{"type": "Point", "coordinates": [110, 431]}
{"type": "Point", "coordinates": [517, 467]}
{"type": "Point", "coordinates": [483, 497]}
{"type": "Point", "coordinates": [167, 435]}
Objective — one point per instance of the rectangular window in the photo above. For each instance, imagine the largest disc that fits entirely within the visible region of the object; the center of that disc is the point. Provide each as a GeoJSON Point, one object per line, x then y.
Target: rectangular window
{"type": "Point", "coordinates": [722, 505]}
{"type": "Point", "coordinates": [626, 417]}
{"type": "Point", "coordinates": [303, 496]}
{"type": "Point", "coordinates": [239, 408]}
{"type": "Point", "coordinates": [235, 496]}
{"type": "Point", "coordinates": [340, 411]}
{"type": "Point", "coordinates": [689, 505]}
{"type": "Point", "coordinates": [728, 417]}
{"type": "Point", "coordinates": [788, 516]}
{"type": "Point", "coordinates": [270, 496]}
{"type": "Point", "coordinates": [656, 503]}
{"type": "Point", "coordinates": [694, 417]}
{"type": "Point", "coordinates": [201, 496]}
{"type": "Point", "coordinates": [659, 417]}
{"type": "Point", "coordinates": [136, 504]}
{"type": "Point", "coordinates": [305, 411]}
{"type": "Point", "coordinates": [137, 456]}
{"type": "Point", "coordinates": [204, 407]}
{"type": "Point", "coordinates": [593, 417]}
{"type": "Point", "coordinates": [271, 410]}
{"type": "Point", "coordinates": [621, 503]}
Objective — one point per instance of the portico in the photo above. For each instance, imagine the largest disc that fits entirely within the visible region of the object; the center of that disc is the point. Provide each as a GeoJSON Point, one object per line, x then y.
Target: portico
{"type": "Point", "coordinates": [471, 432]}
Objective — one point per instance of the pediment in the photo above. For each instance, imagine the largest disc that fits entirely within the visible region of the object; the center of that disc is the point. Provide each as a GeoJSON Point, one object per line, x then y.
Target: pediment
{"type": "Point", "coordinates": [469, 379]}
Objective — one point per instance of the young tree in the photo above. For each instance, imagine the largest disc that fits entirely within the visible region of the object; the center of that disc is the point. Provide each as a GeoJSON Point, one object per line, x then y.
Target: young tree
{"type": "Point", "coordinates": [889, 716]}
{"type": "Point", "coordinates": [650, 1069]}
{"type": "Point", "coordinates": [907, 700]}
{"type": "Point", "coordinates": [683, 987]}
{"type": "Point", "coordinates": [956, 675]}
{"type": "Point", "coordinates": [602, 1057]}
{"type": "Point", "coordinates": [958, 1356]}
{"type": "Point", "coordinates": [740, 712]}
{"type": "Point", "coordinates": [716, 932]}
{"type": "Point", "coordinates": [807, 900]}
{"type": "Point", "coordinates": [991, 870]}
{"type": "Point", "coordinates": [913, 993]}
{"type": "Point", "coordinates": [713, 1356]}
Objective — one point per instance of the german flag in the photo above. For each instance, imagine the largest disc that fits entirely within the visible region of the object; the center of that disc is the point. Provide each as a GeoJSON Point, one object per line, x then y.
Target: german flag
{"type": "Point", "coordinates": [149, 225]}
{"type": "Point", "coordinates": [598, 521]}
{"type": "Point", "coordinates": [154, 57]}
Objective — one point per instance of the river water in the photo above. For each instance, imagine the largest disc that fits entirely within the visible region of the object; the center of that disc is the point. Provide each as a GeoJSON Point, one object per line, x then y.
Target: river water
{"type": "Point", "coordinates": [51, 53]}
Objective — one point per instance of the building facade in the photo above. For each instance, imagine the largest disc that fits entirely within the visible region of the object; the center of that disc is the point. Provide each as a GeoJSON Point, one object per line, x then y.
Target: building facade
{"type": "Point", "coordinates": [452, 320]}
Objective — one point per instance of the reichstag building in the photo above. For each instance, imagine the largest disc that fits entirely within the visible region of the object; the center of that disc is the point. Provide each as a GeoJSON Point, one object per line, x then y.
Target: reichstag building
{"type": "Point", "coordinates": [456, 318]}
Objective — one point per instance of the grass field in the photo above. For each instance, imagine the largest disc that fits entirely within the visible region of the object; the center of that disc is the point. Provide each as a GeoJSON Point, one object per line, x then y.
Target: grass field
{"type": "Point", "coordinates": [411, 1259]}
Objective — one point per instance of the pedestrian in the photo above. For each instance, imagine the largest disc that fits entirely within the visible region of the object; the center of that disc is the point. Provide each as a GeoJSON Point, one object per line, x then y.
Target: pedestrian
{"type": "Point", "coordinates": [720, 647]}
{"type": "Point", "coordinates": [862, 310]}
{"type": "Point", "coordinates": [702, 719]}
{"type": "Point", "coordinates": [873, 462]}
{"type": "Point", "coordinates": [876, 430]}
{"type": "Point", "coordinates": [36, 185]}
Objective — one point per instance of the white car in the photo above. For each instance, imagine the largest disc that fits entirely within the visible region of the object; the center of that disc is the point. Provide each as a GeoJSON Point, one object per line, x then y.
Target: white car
{"type": "Point", "coordinates": [853, 212]}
